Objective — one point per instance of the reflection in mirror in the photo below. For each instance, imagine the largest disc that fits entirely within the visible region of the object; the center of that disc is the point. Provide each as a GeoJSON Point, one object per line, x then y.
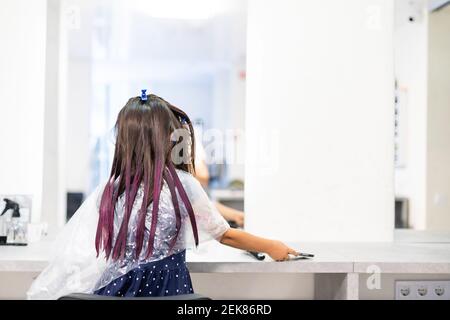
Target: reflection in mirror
{"type": "Point", "coordinates": [422, 115]}
{"type": "Point", "coordinates": [190, 53]}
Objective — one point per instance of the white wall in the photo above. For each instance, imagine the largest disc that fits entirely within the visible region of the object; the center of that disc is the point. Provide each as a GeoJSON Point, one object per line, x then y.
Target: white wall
{"type": "Point", "coordinates": [321, 75]}
{"type": "Point", "coordinates": [22, 88]}
{"type": "Point", "coordinates": [77, 130]}
{"type": "Point", "coordinates": [411, 47]}
{"type": "Point", "coordinates": [438, 139]}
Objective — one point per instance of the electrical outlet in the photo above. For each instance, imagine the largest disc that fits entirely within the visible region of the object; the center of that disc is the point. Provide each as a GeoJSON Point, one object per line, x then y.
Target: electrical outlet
{"type": "Point", "coordinates": [422, 290]}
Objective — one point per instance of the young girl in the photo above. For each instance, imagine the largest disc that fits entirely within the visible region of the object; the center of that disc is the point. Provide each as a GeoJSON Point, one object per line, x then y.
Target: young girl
{"type": "Point", "coordinates": [129, 237]}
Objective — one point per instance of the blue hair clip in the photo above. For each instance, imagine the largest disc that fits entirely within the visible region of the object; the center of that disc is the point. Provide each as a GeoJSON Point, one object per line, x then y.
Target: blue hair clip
{"type": "Point", "coordinates": [143, 95]}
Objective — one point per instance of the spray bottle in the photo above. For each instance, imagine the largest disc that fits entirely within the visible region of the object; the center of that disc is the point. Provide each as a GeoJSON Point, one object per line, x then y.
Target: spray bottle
{"type": "Point", "coordinates": [15, 230]}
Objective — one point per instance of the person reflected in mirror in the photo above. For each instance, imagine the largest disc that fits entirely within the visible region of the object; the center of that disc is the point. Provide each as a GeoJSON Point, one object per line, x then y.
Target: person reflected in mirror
{"type": "Point", "coordinates": [202, 175]}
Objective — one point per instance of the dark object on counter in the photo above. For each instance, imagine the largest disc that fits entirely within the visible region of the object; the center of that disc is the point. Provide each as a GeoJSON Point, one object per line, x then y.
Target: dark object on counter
{"type": "Point", "coordinates": [237, 204]}
{"type": "Point", "coordinates": [21, 244]}
{"type": "Point", "coordinates": [85, 296]}
{"type": "Point", "coordinates": [3, 242]}
{"type": "Point", "coordinates": [302, 256]}
{"type": "Point", "coordinates": [233, 224]}
{"type": "Point", "coordinates": [401, 213]}
{"type": "Point", "coordinates": [258, 255]}
{"type": "Point", "coordinates": [306, 255]}
{"type": "Point", "coordinates": [11, 205]}
{"type": "Point", "coordinates": [74, 201]}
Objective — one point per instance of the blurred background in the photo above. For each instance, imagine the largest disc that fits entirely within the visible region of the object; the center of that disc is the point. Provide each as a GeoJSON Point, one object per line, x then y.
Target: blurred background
{"type": "Point", "coordinates": [193, 53]}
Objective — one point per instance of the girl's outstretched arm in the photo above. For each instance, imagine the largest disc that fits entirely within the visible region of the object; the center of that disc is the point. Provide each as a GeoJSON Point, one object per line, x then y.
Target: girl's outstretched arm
{"type": "Point", "coordinates": [239, 239]}
{"type": "Point", "coordinates": [212, 225]}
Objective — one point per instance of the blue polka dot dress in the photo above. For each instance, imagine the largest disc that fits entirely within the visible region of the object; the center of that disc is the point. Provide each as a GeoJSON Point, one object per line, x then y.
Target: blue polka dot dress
{"type": "Point", "coordinates": [165, 277]}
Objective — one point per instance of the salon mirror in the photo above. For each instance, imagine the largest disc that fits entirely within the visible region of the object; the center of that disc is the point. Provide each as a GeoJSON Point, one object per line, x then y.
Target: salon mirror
{"type": "Point", "coordinates": [422, 115]}
{"type": "Point", "coordinates": [191, 53]}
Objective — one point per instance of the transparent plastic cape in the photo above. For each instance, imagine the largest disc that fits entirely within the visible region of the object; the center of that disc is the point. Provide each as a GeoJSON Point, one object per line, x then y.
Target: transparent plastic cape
{"type": "Point", "coordinates": [75, 267]}
{"type": "Point", "coordinates": [210, 223]}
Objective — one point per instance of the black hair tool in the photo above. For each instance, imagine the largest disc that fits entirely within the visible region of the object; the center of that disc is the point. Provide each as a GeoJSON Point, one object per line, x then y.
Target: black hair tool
{"type": "Point", "coordinates": [258, 255]}
{"type": "Point", "coordinates": [301, 256]}
{"type": "Point", "coordinates": [11, 205]}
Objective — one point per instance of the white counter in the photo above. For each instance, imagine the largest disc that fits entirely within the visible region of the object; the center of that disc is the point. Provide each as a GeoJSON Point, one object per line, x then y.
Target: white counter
{"type": "Point", "coordinates": [347, 259]}
{"type": "Point", "coordinates": [396, 257]}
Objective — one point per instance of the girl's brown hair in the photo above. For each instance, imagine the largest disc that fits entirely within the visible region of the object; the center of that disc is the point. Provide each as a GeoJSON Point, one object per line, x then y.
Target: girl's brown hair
{"type": "Point", "coordinates": [143, 157]}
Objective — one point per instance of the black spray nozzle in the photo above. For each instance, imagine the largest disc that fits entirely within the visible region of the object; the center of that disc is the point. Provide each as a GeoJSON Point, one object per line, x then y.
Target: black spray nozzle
{"type": "Point", "coordinates": [11, 205]}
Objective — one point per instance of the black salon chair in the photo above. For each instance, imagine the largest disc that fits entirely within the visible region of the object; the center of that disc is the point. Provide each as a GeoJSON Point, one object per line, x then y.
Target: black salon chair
{"type": "Point", "coordinates": [85, 296]}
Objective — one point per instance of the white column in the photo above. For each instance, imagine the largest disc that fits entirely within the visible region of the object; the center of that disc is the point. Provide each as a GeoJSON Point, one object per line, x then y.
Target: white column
{"type": "Point", "coordinates": [320, 84]}
{"type": "Point", "coordinates": [22, 88]}
{"type": "Point", "coordinates": [53, 191]}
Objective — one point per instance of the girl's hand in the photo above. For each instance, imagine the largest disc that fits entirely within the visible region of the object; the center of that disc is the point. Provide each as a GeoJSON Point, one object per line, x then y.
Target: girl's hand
{"type": "Point", "coordinates": [278, 251]}
{"type": "Point", "coordinates": [240, 239]}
